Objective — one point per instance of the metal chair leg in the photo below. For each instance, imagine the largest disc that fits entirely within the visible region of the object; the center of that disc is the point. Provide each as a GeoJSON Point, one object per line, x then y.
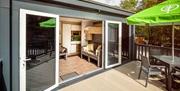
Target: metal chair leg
{"type": "Point", "coordinates": [166, 74]}
{"type": "Point", "coordinates": [140, 73]}
{"type": "Point", "coordinates": [147, 80]}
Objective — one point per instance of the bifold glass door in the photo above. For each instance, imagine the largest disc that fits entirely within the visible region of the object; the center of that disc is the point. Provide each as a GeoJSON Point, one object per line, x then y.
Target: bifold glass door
{"type": "Point", "coordinates": [38, 50]}
{"type": "Point", "coordinates": [113, 43]}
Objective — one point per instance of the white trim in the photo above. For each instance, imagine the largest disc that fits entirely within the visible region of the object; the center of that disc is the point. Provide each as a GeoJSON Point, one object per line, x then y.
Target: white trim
{"type": "Point", "coordinates": [103, 44]}
{"type": "Point", "coordinates": [106, 44]}
{"type": "Point", "coordinates": [52, 87]}
{"type": "Point", "coordinates": [22, 38]}
{"type": "Point", "coordinates": [113, 65]}
{"type": "Point", "coordinates": [22, 51]}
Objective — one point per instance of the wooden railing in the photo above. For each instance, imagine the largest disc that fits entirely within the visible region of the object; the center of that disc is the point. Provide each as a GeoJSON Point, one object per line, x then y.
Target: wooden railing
{"type": "Point", "coordinates": [38, 49]}
{"type": "Point", "coordinates": [145, 50]}
{"type": "Point", "coordinates": [125, 53]}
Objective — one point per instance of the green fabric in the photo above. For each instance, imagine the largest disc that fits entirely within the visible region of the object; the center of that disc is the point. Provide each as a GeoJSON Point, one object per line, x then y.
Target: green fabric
{"type": "Point", "coordinates": [165, 12]}
{"type": "Point", "coordinates": [51, 23]}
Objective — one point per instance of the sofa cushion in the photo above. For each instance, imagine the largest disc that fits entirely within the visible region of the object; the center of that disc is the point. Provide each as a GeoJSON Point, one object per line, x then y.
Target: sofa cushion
{"type": "Point", "coordinates": [90, 47]}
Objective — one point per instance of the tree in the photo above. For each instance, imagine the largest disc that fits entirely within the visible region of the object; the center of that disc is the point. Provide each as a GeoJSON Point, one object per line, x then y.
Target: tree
{"type": "Point", "coordinates": [147, 4]}
{"type": "Point", "coordinates": [129, 4]}
{"type": "Point", "coordinates": [156, 35]}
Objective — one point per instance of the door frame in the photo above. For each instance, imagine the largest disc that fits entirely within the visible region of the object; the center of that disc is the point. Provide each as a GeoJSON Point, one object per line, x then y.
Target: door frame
{"type": "Point", "coordinates": [22, 47]}
{"type": "Point", "coordinates": [106, 43]}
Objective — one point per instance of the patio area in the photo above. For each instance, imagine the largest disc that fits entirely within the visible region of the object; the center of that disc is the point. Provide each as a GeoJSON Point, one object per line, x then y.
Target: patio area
{"type": "Point", "coordinates": [122, 78]}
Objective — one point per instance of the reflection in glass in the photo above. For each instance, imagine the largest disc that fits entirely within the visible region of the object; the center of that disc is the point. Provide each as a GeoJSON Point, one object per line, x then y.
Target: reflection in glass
{"type": "Point", "coordinates": [113, 42]}
{"type": "Point", "coordinates": [40, 48]}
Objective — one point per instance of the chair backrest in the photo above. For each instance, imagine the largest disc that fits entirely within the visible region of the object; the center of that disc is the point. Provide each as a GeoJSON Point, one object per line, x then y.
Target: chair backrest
{"type": "Point", "coordinates": [155, 52]}
{"type": "Point", "coordinates": [145, 62]}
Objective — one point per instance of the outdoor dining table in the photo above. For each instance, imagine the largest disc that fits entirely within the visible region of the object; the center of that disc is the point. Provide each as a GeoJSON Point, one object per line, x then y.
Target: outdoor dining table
{"type": "Point", "coordinates": [168, 60]}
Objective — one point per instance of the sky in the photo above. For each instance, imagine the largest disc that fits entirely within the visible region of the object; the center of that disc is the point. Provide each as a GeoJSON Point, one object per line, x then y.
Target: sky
{"type": "Point", "coordinates": [110, 2]}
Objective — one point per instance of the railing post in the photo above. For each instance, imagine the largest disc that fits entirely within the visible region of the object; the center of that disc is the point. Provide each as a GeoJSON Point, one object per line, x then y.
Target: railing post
{"type": "Point", "coordinates": [145, 50]}
{"type": "Point", "coordinates": [137, 52]}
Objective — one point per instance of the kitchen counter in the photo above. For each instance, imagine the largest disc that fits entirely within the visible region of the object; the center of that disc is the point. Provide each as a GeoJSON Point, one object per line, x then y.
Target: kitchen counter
{"type": "Point", "coordinates": [75, 42]}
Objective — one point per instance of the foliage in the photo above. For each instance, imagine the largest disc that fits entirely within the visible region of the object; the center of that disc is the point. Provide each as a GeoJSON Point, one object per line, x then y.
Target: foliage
{"type": "Point", "coordinates": [156, 35]}
{"type": "Point", "coordinates": [76, 38]}
{"type": "Point", "coordinates": [129, 4]}
{"type": "Point", "coordinates": [142, 31]}
{"type": "Point", "coordinates": [147, 4]}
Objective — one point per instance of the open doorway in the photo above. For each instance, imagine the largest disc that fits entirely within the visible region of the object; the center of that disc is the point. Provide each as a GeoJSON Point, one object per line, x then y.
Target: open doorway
{"type": "Point", "coordinates": [80, 47]}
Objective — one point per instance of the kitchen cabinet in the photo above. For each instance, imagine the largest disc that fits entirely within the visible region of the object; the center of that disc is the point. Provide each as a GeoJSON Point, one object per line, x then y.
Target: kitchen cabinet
{"type": "Point", "coordinates": [75, 28]}
{"type": "Point", "coordinates": [67, 32]}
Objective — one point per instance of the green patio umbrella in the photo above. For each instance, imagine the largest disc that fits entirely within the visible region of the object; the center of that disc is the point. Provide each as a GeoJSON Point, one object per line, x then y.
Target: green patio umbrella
{"type": "Point", "coordinates": [167, 12]}
{"type": "Point", "coordinates": [51, 23]}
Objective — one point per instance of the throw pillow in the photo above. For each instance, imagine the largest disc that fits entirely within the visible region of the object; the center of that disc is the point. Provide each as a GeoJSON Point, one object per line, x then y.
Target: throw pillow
{"type": "Point", "coordinates": [90, 47]}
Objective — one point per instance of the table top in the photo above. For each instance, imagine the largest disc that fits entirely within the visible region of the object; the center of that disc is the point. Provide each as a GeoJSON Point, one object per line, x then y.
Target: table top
{"type": "Point", "coordinates": [168, 59]}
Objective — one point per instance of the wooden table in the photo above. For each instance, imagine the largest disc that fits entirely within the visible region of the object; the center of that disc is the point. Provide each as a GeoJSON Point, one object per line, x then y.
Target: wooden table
{"type": "Point", "coordinates": [168, 60]}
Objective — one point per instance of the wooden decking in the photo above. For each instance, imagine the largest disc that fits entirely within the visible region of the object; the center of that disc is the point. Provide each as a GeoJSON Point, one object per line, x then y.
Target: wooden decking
{"type": "Point", "coordinates": [76, 64]}
{"type": "Point", "coordinates": [123, 78]}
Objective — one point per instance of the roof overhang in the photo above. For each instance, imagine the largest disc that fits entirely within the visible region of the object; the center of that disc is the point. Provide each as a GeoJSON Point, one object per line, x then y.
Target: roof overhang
{"type": "Point", "coordinates": [91, 6]}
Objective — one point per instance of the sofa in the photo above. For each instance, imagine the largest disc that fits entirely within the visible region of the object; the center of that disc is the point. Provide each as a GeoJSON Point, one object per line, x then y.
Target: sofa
{"type": "Point", "coordinates": [92, 51]}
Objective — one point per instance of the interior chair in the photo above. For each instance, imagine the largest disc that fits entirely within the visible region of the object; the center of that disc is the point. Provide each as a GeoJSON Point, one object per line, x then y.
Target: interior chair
{"type": "Point", "coordinates": [63, 51]}
{"type": "Point", "coordinates": [176, 77]}
{"type": "Point", "coordinates": [149, 69]}
{"type": "Point", "coordinates": [92, 52]}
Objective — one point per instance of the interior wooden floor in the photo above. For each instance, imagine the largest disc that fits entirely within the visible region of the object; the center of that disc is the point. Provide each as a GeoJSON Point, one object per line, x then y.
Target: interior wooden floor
{"type": "Point", "coordinates": [122, 78]}
{"type": "Point", "coordinates": [76, 64]}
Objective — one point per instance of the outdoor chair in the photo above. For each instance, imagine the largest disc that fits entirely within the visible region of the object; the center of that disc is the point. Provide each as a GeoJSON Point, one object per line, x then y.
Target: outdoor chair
{"type": "Point", "coordinates": [154, 52]}
{"type": "Point", "coordinates": [149, 69]}
{"type": "Point", "coordinates": [176, 77]}
{"type": "Point", "coordinates": [154, 61]}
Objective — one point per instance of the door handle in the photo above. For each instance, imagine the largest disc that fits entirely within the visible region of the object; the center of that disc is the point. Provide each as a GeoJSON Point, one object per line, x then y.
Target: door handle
{"type": "Point", "coordinates": [27, 59]}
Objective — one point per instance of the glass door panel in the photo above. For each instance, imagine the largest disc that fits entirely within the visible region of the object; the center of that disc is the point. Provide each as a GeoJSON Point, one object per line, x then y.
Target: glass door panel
{"type": "Point", "coordinates": [113, 40]}
{"type": "Point", "coordinates": [38, 50]}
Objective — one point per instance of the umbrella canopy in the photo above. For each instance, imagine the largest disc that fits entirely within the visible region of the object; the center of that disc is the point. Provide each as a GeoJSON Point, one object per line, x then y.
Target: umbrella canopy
{"type": "Point", "coordinates": [165, 12]}
{"type": "Point", "coordinates": [51, 23]}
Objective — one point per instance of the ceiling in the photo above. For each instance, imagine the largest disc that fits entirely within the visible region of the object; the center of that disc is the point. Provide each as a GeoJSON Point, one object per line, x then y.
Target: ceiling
{"type": "Point", "coordinates": [75, 20]}
{"type": "Point", "coordinates": [68, 19]}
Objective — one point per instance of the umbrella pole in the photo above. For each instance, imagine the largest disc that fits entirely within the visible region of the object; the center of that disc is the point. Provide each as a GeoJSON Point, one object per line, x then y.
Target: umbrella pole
{"type": "Point", "coordinates": [173, 41]}
{"type": "Point", "coordinates": [148, 33]}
